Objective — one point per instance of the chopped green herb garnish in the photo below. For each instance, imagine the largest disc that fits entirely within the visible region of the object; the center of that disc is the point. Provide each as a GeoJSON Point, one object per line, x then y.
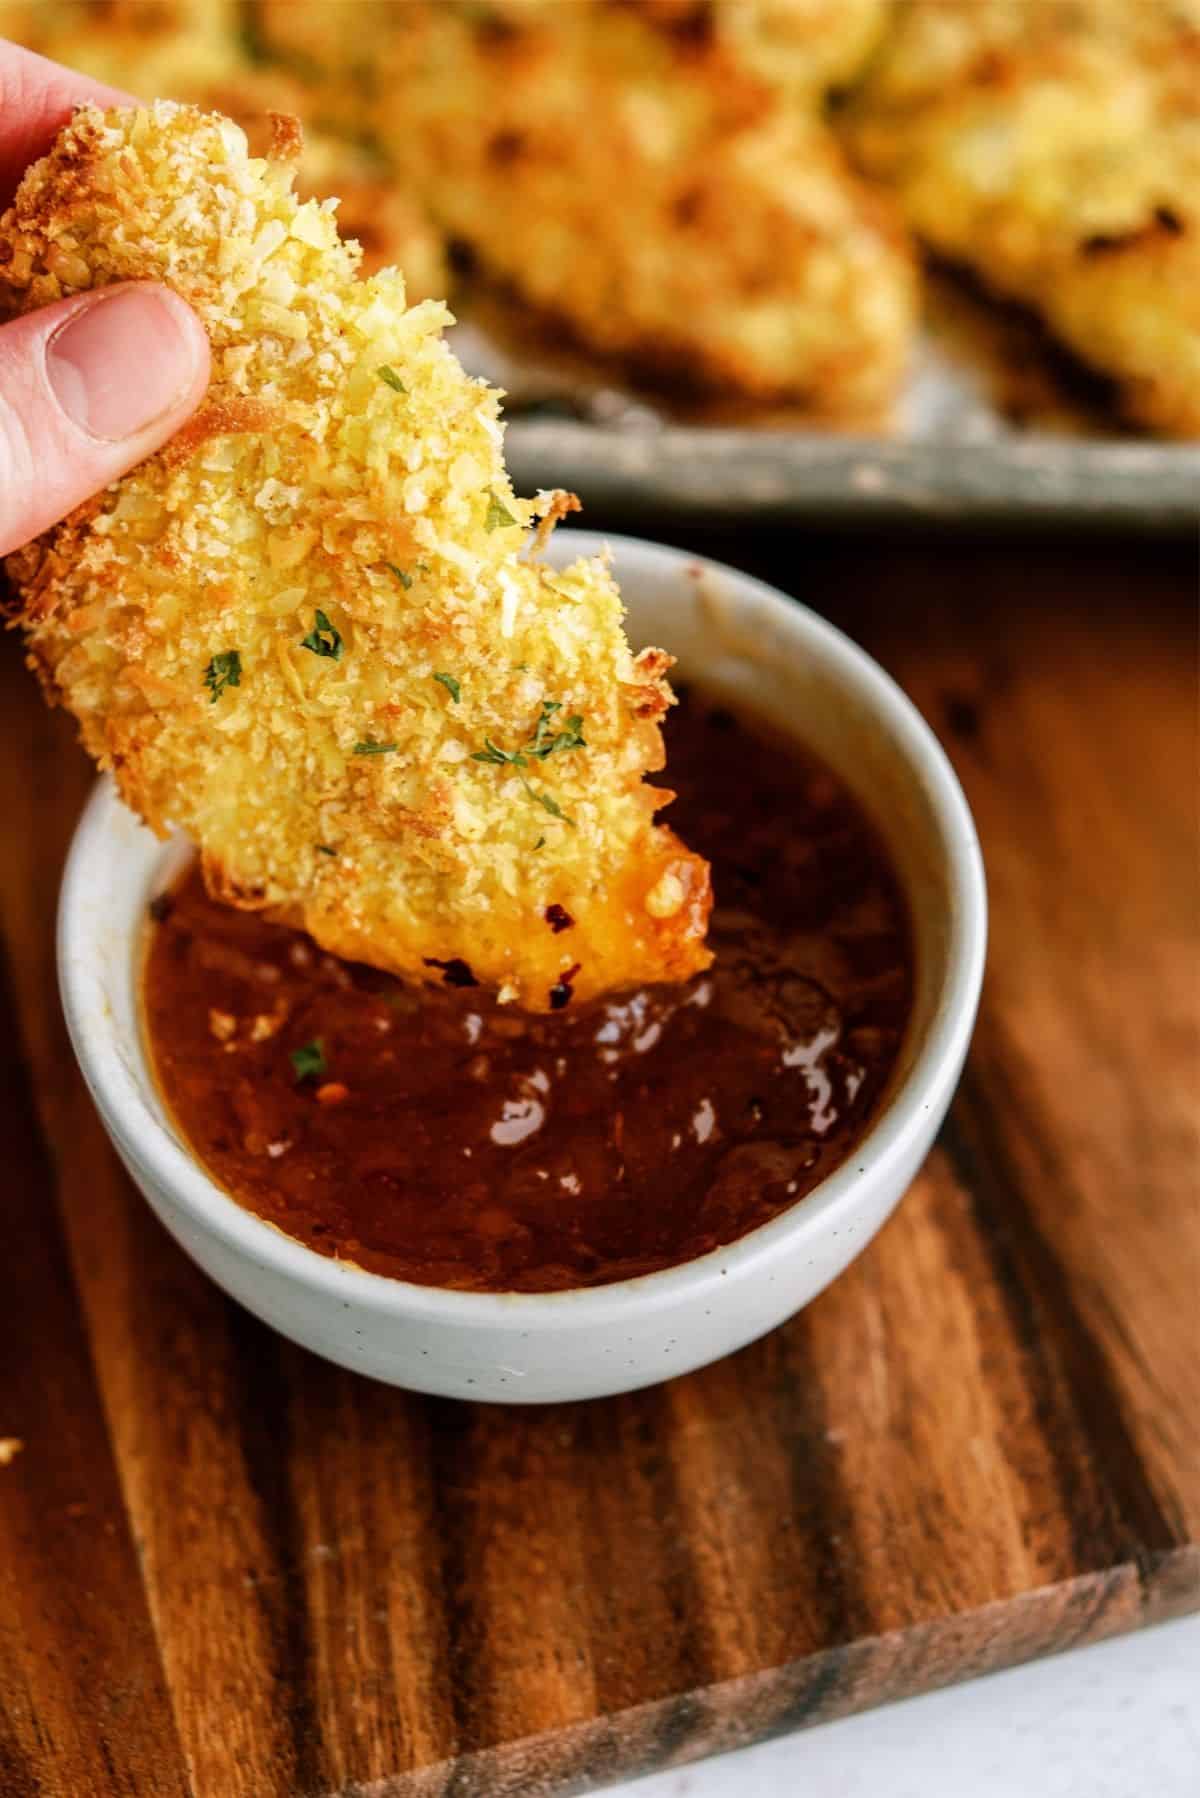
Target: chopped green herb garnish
{"type": "Point", "coordinates": [324, 849]}
{"type": "Point", "coordinates": [568, 738]}
{"type": "Point", "coordinates": [224, 670]}
{"type": "Point", "coordinates": [539, 745]}
{"type": "Point", "coordinates": [309, 1060]}
{"type": "Point", "coordinates": [403, 576]}
{"type": "Point", "coordinates": [451, 685]}
{"type": "Point", "coordinates": [391, 378]}
{"type": "Point", "coordinates": [549, 707]}
{"type": "Point", "coordinates": [521, 667]}
{"type": "Point", "coordinates": [323, 639]}
{"type": "Point", "coordinates": [497, 513]}
{"type": "Point", "coordinates": [539, 842]}
{"type": "Point", "coordinates": [498, 757]}
{"type": "Point", "coordinates": [547, 803]}
{"type": "Point", "coordinates": [538, 748]}
{"type": "Point", "coordinates": [369, 746]}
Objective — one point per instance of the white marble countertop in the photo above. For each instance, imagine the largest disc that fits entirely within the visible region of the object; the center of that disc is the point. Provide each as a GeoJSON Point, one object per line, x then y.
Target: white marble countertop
{"type": "Point", "coordinates": [1119, 1720]}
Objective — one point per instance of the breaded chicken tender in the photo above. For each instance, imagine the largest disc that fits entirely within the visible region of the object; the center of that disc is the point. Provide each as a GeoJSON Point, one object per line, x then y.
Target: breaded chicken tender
{"type": "Point", "coordinates": [805, 46]}
{"type": "Point", "coordinates": [390, 227]}
{"type": "Point", "coordinates": [312, 631]}
{"type": "Point", "coordinates": [631, 172]}
{"type": "Point", "coordinates": [194, 50]}
{"type": "Point", "coordinates": [141, 45]}
{"type": "Point", "coordinates": [802, 46]}
{"type": "Point", "coordinates": [1053, 146]}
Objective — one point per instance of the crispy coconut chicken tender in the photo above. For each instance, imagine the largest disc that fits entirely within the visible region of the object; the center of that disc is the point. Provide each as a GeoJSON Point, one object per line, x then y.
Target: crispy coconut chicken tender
{"type": "Point", "coordinates": [311, 630]}
{"type": "Point", "coordinates": [1053, 146]}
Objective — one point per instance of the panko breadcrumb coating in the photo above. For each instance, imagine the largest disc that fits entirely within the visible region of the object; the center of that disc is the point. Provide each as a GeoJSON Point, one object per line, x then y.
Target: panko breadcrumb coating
{"type": "Point", "coordinates": [1053, 146]}
{"type": "Point", "coordinates": [194, 50]}
{"type": "Point", "coordinates": [143, 46]}
{"type": "Point", "coordinates": [310, 630]}
{"type": "Point", "coordinates": [390, 227]}
{"type": "Point", "coordinates": [632, 173]}
{"type": "Point", "coordinates": [804, 47]}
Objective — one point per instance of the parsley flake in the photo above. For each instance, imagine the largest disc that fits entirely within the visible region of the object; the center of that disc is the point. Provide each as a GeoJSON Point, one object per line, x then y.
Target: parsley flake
{"type": "Point", "coordinates": [324, 849]}
{"type": "Point", "coordinates": [539, 843]}
{"type": "Point", "coordinates": [547, 802]}
{"type": "Point", "coordinates": [390, 378]}
{"type": "Point", "coordinates": [403, 576]}
{"type": "Point", "coordinates": [570, 737]}
{"type": "Point", "coordinates": [224, 670]}
{"type": "Point", "coordinates": [497, 513]}
{"type": "Point", "coordinates": [539, 746]}
{"type": "Point", "coordinates": [323, 639]}
{"type": "Point", "coordinates": [309, 1060]}
{"type": "Point", "coordinates": [369, 746]}
{"type": "Point", "coordinates": [451, 685]}
{"type": "Point", "coordinates": [498, 758]}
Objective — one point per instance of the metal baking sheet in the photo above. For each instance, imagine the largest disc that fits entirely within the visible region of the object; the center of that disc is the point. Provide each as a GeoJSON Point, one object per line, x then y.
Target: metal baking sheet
{"type": "Point", "coordinates": [721, 472]}
{"type": "Point", "coordinates": [990, 429]}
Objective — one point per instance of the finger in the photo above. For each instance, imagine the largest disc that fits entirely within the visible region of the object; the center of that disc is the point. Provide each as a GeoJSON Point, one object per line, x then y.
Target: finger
{"type": "Point", "coordinates": [37, 97]}
{"type": "Point", "coordinates": [88, 387]}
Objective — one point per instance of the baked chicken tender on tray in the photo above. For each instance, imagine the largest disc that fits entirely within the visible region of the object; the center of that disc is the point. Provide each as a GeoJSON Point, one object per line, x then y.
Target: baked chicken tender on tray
{"type": "Point", "coordinates": [195, 50]}
{"type": "Point", "coordinates": [138, 46]}
{"type": "Point", "coordinates": [1053, 147]}
{"type": "Point", "coordinates": [631, 174]}
{"type": "Point", "coordinates": [313, 630]}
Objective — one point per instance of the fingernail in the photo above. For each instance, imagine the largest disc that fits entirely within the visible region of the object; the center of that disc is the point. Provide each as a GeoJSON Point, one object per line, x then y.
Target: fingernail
{"type": "Point", "coordinates": [122, 361]}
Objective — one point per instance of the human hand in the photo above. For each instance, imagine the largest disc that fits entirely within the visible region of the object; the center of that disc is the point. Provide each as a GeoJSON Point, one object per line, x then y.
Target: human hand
{"type": "Point", "coordinates": [92, 384]}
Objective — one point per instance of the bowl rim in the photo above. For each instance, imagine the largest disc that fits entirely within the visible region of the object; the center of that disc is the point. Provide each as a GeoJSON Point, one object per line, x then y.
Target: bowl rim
{"type": "Point", "coordinates": [888, 1142]}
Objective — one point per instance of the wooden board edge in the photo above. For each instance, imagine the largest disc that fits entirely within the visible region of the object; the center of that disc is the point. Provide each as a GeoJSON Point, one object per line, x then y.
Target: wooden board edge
{"type": "Point", "coordinates": [673, 1731]}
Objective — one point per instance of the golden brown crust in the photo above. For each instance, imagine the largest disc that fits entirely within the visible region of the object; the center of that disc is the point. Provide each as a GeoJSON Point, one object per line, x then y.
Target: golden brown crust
{"type": "Point", "coordinates": [229, 415]}
{"type": "Point", "coordinates": [195, 51]}
{"type": "Point", "coordinates": [309, 630]}
{"type": "Point", "coordinates": [1054, 148]}
{"type": "Point", "coordinates": [286, 137]}
{"type": "Point", "coordinates": [660, 183]}
{"type": "Point", "coordinates": [554, 508]}
{"type": "Point", "coordinates": [223, 884]}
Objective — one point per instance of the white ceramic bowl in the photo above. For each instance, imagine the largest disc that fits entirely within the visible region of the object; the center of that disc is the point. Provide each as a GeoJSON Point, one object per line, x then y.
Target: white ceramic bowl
{"type": "Point", "coordinates": [748, 643]}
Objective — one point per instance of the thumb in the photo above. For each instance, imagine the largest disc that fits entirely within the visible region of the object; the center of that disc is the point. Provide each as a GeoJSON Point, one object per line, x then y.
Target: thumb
{"type": "Point", "coordinates": [88, 387]}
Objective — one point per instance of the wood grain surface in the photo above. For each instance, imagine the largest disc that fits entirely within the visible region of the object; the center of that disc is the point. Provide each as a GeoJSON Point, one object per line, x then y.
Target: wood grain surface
{"type": "Point", "coordinates": [229, 1570]}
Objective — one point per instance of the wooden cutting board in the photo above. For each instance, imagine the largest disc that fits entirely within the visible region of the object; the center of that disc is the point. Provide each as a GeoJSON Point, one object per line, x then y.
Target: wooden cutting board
{"type": "Point", "coordinates": [231, 1571]}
